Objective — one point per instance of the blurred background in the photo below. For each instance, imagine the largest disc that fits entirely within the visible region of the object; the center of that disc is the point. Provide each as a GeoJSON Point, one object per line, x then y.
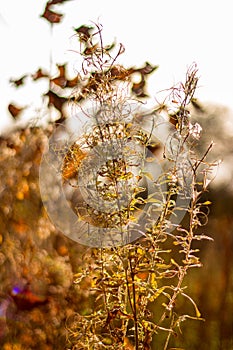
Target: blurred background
{"type": "Point", "coordinates": [38, 263]}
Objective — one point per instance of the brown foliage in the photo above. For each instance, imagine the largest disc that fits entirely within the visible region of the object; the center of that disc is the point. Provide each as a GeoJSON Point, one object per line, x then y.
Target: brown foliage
{"type": "Point", "coordinates": [37, 262]}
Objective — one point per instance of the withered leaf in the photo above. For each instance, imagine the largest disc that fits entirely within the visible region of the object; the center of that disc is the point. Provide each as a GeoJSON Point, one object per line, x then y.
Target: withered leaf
{"type": "Point", "coordinates": [173, 119]}
{"type": "Point", "coordinates": [62, 70]}
{"type": "Point", "coordinates": [58, 102]}
{"type": "Point", "coordinates": [84, 32]}
{"type": "Point", "coordinates": [51, 16]}
{"type": "Point", "coordinates": [138, 88]}
{"type": "Point", "coordinates": [55, 2]}
{"type": "Point", "coordinates": [120, 73]}
{"type": "Point", "coordinates": [15, 111]}
{"type": "Point", "coordinates": [39, 74]}
{"type": "Point", "coordinates": [147, 69]}
{"type": "Point", "coordinates": [60, 80]}
{"type": "Point", "coordinates": [18, 82]}
{"type": "Point", "coordinates": [70, 83]}
{"type": "Point", "coordinates": [110, 47]}
{"type": "Point", "coordinates": [90, 50]}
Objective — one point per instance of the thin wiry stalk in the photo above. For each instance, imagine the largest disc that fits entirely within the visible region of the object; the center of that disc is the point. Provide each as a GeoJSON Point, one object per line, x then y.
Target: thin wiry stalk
{"type": "Point", "coordinates": [134, 306]}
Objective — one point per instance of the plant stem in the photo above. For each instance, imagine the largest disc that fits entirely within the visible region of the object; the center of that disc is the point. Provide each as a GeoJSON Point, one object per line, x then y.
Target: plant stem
{"type": "Point", "coordinates": [134, 309]}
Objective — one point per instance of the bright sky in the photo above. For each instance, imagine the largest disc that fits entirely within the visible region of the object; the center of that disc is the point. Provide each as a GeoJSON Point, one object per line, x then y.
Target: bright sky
{"type": "Point", "coordinates": [168, 33]}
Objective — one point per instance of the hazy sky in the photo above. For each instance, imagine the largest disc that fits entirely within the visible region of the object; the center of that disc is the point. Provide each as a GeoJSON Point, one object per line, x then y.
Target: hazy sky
{"type": "Point", "coordinates": [168, 33]}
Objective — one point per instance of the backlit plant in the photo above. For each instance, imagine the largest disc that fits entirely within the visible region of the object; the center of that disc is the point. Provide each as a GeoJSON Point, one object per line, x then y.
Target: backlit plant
{"type": "Point", "coordinates": [135, 184]}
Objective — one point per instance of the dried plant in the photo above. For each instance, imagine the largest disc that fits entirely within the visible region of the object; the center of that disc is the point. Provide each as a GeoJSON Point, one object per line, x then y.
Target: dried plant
{"type": "Point", "coordinates": [141, 225]}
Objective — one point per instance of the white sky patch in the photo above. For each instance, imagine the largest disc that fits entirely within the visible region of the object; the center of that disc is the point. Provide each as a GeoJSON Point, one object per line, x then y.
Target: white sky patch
{"type": "Point", "coordinates": [171, 34]}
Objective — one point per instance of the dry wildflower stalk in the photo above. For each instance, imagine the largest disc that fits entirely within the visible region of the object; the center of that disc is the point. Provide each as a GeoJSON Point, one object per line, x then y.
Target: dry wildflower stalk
{"type": "Point", "coordinates": [128, 280]}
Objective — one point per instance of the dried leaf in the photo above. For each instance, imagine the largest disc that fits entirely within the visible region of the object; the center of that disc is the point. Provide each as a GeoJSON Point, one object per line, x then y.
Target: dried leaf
{"type": "Point", "coordinates": [90, 49]}
{"type": "Point", "coordinates": [55, 2]}
{"type": "Point", "coordinates": [39, 74]}
{"type": "Point", "coordinates": [84, 32]}
{"type": "Point", "coordinates": [18, 82]}
{"type": "Point", "coordinates": [59, 81]}
{"type": "Point", "coordinates": [51, 16]}
{"type": "Point", "coordinates": [120, 73]}
{"type": "Point", "coordinates": [147, 69]}
{"type": "Point", "coordinates": [73, 82]}
{"type": "Point", "coordinates": [62, 70]}
{"type": "Point", "coordinates": [14, 110]}
{"type": "Point", "coordinates": [138, 88]}
{"type": "Point", "coordinates": [56, 100]}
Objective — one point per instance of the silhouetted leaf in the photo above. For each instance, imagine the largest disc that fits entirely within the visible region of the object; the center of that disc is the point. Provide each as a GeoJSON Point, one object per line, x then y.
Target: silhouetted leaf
{"type": "Point", "coordinates": [70, 83]}
{"type": "Point", "coordinates": [147, 69]}
{"type": "Point", "coordinates": [51, 16]}
{"type": "Point", "coordinates": [18, 82]}
{"type": "Point", "coordinates": [90, 49]}
{"type": "Point", "coordinates": [55, 2]}
{"type": "Point", "coordinates": [110, 47]}
{"type": "Point", "coordinates": [39, 74]}
{"type": "Point", "coordinates": [138, 89]}
{"type": "Point", "coordinates": [62, 70]}
{"type": "Point", "coordinates": [60, 80]}
{"type": "Point", "coordinates": [120, 73]}
{"type": "Point", "coordinates": [173, 119]}
{"type": "Point", "coordinates": [84, 32]}
{"type": "Point", "coordinates": [58, 102]}
{"type": "Point", "coordinates": [15, 111]}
